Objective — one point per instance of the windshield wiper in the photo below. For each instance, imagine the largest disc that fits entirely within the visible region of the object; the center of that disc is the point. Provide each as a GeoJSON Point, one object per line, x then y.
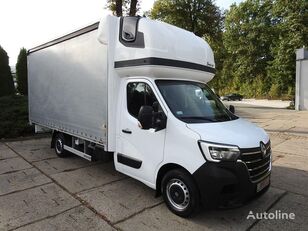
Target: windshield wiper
{"type": "Point", "coordinates": [223, 118]}
{"type": "Point", "coordinates": [197, 118]}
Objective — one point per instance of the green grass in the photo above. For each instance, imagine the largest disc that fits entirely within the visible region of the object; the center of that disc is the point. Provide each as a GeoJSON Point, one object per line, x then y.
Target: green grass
{"type": "Point", "coordinates": [14, 120]}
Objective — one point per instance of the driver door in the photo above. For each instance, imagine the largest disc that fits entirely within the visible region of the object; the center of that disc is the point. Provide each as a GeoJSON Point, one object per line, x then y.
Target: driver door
{"type": "Point", "coordinates": [139, 151]}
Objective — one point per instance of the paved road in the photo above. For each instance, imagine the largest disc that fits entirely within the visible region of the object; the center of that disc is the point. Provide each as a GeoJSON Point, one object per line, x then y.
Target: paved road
{"type": "Point", "coordinates": [263, 103]}
{"type": "Point", "coordinates": [39, 191]}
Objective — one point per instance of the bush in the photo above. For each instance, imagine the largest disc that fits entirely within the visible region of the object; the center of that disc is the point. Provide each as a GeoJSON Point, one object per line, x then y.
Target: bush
{"type": "Point", "coordinates": [275, 91]}
{"type": "Point", "coordinates": [14, 120]}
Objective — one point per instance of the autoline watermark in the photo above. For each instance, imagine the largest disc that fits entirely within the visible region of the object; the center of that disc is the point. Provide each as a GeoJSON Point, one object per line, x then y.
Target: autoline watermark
{"type": "Point", "coordinates": [276, 215]}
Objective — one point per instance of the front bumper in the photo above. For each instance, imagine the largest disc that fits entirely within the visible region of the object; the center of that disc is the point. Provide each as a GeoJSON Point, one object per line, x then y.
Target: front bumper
{"type": "Point", "coordinates": [225, 184]}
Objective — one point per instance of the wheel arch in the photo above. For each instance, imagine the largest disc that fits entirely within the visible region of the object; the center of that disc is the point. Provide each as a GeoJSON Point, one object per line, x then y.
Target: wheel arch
{"type": "Point", "coordinates": [162, 171]}
{"type": "Point", "coordinates": [52, 143]}
{"type": "Point", "coordinates": [66, 137]}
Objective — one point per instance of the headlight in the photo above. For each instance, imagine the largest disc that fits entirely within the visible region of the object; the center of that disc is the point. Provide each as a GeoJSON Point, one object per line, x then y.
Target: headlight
{"type": "Point", "coordinates": [218, 152]}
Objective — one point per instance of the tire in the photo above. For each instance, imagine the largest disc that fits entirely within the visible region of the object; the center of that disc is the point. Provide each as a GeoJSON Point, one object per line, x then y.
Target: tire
{"type": "Point", "coordinates": [59, 145]}
{"type": "Point", "coordinates": [180, 193]}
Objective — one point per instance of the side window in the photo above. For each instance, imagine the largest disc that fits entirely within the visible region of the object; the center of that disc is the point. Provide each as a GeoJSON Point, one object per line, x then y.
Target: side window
{"type": "Point", "coordinates": [138, 95]}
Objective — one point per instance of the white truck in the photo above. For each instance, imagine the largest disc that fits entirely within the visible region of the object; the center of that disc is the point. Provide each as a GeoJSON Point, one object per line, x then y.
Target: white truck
{"type": "Point", "coordinates": [136, 88]}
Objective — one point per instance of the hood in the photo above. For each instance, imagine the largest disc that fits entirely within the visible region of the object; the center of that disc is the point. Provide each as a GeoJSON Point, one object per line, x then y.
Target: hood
{"type": "Point", "coordinates": [236, 132]}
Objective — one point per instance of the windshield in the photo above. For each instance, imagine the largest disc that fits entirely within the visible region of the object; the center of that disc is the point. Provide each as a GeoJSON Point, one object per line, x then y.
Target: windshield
{"type": "Point", "coordinates": [193, 102]}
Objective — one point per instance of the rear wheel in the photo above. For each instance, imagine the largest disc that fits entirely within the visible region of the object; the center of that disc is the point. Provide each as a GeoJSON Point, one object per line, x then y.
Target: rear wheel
{"type": "Point", "coordinates": [180, 193]}
{"type": "Point", "coordinates": [59, 145]}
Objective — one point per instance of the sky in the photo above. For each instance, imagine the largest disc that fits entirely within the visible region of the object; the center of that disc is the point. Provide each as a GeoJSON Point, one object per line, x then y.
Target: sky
{"type": "Point", "coordinates": [28, 23]}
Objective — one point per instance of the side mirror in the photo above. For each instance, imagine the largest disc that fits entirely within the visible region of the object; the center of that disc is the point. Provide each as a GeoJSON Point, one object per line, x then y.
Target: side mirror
{"type": "Point", "coordinates": [159, 121]}
{"type": "Point", "coordinates": [232, 109]}
{"type": "Point", "coordinates": [145, 117]}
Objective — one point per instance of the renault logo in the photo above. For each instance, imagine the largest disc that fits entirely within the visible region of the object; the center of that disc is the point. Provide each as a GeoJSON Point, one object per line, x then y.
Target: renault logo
{"type": "Point", "coordinates": [263, 149]}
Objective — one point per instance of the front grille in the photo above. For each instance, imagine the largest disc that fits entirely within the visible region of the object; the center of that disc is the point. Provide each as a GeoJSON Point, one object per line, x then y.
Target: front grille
{"type": "Point", "coordinates": [258, 165]}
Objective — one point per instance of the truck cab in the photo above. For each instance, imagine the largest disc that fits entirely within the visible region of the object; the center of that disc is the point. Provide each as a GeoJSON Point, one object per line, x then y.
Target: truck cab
{"type": "Point", "coordinates": [173, 132]}
{"type": "Point", "coordinates": [177, 137]}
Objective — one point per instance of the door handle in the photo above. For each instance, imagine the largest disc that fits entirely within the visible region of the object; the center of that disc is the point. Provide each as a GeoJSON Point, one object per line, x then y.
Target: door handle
{"type": "Point", "coordinates": [127, 131]}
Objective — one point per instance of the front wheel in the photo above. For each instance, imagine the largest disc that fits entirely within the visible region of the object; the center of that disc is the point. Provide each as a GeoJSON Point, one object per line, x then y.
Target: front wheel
{"type": "Point", "coordinates": [180, 193]}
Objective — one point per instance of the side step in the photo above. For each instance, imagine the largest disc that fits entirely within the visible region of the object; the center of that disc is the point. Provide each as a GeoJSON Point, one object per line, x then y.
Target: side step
{"type": "Point", "coordinates": [78, 153]}
{"type": "Point", "coordinates": [85, 149]}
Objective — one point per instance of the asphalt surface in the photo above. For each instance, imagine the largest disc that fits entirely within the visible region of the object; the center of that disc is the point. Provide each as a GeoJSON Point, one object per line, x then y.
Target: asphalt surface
{"type": "Point", "coordinates": [39, 191]}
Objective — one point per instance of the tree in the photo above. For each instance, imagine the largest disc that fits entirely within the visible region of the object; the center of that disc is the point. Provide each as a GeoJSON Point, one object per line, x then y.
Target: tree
{"type": "Point", "coordinates": [248, 37]}
{"type": "Point", "coordinates": [201, 17]}
{"type": "Point", "coordinates": [22, 72]}
{"type": "Point", "coordinates": [118, 7]}
{"type": "Point", "coordinates": [6, 79]}
{"type": "Point", "coordinates": [260, 38]}
{"type": "Point", "coordinates": [133, 7]}
{"type": "Point", "coordinates": [290, 21]}
{"type": "Point", "coordinates": [123, 7]}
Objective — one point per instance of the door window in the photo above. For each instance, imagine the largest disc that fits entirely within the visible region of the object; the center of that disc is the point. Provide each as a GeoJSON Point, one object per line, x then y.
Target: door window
{"type": "Point", "coordinates": [138, 95]}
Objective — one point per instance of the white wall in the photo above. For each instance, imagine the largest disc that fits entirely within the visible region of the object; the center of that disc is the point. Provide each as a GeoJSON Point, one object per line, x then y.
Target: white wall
{"type": "Point", "coordinates": [301, 96]}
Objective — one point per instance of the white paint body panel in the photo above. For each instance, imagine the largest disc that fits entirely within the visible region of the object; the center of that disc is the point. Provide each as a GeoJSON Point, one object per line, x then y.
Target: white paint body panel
{"type": "Point", "coordinates": [144, 145]}
{"type": "Point", "coordinates": [237, 132]}
{"type": "Point", "coordinates": [166, 41]}
{"type": "Point", "coordinates": [181, 146]}
{"type": "Point", "coordinates": [166, 72]}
